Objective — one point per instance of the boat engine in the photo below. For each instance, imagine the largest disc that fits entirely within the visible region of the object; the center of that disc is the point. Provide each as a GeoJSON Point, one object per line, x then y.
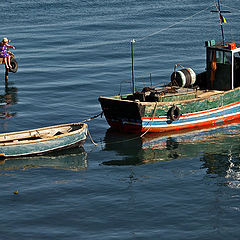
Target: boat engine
{"type": "Point", "coordinates": [185, 77]}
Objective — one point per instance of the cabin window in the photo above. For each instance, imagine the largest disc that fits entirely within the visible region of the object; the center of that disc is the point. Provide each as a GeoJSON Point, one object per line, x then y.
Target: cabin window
{"type": "Point", "coordinates": [219, 56]}
{"type": "Point", "coordinates": [237, 70]}
{"type": "Point", "coordinates": [223, 57]}
{"type": "Point", "coordinates": [227, 58]}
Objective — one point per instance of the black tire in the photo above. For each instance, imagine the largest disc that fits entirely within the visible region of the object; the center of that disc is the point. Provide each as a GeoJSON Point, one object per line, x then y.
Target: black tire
{"type": "Point", "coordinates": [174, 113]}
{"type": "Point", "coordinates": [14, 65]}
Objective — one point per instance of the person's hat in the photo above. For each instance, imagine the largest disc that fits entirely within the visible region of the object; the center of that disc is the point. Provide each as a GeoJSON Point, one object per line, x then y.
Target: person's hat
{"type": "Point", "coordinates": [5, 40]}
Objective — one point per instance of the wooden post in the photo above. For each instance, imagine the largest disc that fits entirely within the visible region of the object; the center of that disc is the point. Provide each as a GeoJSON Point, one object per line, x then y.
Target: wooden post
{"type": "Point", "coordinates": [6, 76]}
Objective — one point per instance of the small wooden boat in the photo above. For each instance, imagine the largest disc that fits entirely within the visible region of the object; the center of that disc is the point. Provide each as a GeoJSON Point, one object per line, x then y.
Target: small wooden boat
{"type": "Point", "coordinates": [42, 140]}
{"type": "Point", "coordinates": [189, 101]}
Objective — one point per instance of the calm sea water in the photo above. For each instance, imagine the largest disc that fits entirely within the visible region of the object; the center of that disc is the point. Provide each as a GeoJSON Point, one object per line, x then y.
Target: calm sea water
{"type": "Point", "coordinates": [184, 186]}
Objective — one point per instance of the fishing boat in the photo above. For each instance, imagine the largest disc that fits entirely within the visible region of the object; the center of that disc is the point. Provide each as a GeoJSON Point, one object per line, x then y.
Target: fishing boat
{"type": "Point", "coordinates": [189, 100]}
{"type": "Point", "coordinates": [42, 140]}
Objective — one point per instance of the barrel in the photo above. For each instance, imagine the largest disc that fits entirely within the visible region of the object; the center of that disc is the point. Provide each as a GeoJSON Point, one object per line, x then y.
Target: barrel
{"type": "Point", "coordinates": [185, 77]}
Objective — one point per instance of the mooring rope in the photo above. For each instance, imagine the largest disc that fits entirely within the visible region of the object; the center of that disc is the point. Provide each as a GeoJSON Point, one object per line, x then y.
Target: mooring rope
{"type": "Point", "coordinates": [234, 9]}
{"type": "Point", "coordinates": [175, 24]}
{"type": "Point", "coordinates": [149, 35]}
{"type": "Point", "coordinates": [91, 118]}
{"type": "Point", "coordinates": [122, 141]}
{"type": "Point", "coordinates": [131, 139]}
{"type": "Point", "coordinates": [88, 132]}
{"type": "Point", "coordinates": [151, 121]}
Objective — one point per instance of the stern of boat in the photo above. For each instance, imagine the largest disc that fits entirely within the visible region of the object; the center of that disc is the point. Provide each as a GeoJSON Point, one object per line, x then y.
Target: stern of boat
{"type": "Point", "coordinates": [124, 115]}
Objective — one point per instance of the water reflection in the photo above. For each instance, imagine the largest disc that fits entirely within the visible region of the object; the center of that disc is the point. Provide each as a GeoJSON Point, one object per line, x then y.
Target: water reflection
{"type": "Point", "coordinates": [135, 150]}
{"type": "Point", "coordinates": [225, 165]}
{"type": "Point", "coordinates": [210, 145]}
{"type": "Point", "coordinates": [7, 99]}
{"type": "Point", "coordinates": [125, 145]}
{"type": "Point", "coordinates": [71, 159]}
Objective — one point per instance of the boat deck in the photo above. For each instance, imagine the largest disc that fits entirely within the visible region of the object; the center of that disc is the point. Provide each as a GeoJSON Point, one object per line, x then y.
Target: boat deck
{"type": "Point", "coordinates": [169, 94]}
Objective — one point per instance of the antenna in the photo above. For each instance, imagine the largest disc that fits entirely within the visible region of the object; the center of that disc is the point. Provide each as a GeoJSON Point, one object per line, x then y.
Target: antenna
{"type": "Point", "coordinates": [221, 18]}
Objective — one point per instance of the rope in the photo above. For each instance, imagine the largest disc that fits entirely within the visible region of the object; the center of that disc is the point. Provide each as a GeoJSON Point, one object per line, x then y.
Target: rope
{"type": "Point", "coordinates": [175, 24]}
{"type": "Point", "coordinates": [91, 118]}
{"type": "Point", "coordinates": [91, 137]}
{"type": "Point", "coordinates": [128, 140]}
{"type": "Point", "coordinates": [151, 121]}
{"type": "Point", "coordinates": [88, 132]}
{"type": "Point", "coordinates": [152, 34]}
{"type": "Point", "coordinates": [234, 9]}
{"type": "Point", "coordinates": [131, 139]}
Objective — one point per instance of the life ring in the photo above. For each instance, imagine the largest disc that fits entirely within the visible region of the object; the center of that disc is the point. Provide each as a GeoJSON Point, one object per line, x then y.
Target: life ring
{"type": "Point", "coordinates": [174, 113]}
{"type": "Point", "coordinates": [14, 65]}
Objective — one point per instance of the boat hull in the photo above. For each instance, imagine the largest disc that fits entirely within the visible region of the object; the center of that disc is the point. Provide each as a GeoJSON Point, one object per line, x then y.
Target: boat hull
{"type": "Point", "coordinates": [44, 145]}
{"type": "Point", "coordinates": [212, 111]}
{"type": "Point", "coordinates": [162, 125]}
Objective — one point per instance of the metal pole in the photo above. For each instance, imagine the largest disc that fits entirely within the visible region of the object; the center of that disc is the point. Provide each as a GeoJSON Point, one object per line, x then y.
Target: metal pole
{"type": "Point", "coordinates": [220, 16]}
{"type": "Point", "coordinates": [133, 81]}
{"type": "Point", "coordinates": [151, 79]}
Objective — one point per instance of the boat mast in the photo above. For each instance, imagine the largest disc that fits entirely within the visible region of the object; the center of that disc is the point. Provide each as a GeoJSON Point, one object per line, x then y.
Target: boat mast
{"type": "Point", "coordinates": [221, 18]}
{"type": "Point", "coordinates": [133, 81]}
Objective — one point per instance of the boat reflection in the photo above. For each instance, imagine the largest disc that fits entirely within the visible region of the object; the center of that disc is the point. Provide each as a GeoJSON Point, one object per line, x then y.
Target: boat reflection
{"type": "Point", "coordinates": [206, 144]}
{"type": "Point", "coordinates": [70, 159]}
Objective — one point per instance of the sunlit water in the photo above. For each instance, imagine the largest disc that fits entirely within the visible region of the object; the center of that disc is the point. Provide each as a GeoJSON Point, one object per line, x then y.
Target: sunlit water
{"type": "Point", "coordinates": [184, 186]}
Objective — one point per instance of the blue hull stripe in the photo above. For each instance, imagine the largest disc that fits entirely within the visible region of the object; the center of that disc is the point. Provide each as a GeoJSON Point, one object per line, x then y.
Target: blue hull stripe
{"type": "Point", "coordinates": [233, 110]}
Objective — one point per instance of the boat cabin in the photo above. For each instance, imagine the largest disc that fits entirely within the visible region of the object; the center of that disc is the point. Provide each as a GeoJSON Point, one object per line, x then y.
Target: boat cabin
{"type": "Point", "coordinates": [223, 66]}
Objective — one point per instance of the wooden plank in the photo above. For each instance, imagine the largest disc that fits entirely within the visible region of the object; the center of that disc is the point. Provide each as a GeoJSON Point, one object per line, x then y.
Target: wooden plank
{"type": "Point", "coordinates": [41, 133]}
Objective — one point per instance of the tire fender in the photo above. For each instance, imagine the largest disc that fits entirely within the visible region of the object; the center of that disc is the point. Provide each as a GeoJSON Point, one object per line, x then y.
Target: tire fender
{"type": "Point", "coordinates": [14, 65]}
{"type": "Point", "coordinates": [174, 113]}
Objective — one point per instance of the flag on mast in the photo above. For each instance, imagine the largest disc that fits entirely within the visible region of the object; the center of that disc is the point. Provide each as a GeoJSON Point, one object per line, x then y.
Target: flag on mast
{"type": "Point", "coordinates": [223, 18]}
